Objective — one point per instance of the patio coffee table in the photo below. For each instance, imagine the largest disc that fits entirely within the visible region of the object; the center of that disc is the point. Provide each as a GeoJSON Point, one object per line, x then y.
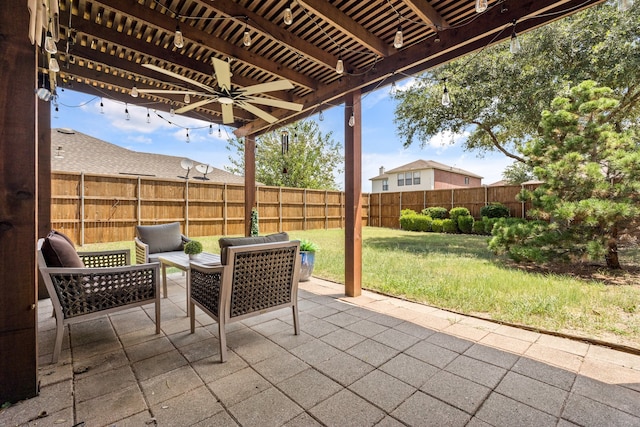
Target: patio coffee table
{"type": "Point", "coordinates": [182, 262]}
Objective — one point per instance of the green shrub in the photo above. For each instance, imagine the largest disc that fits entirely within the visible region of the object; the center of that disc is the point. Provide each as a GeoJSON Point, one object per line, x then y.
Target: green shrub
{"type": "Point", "coordinates": [255, 222]}
{"type": "Point", "coordinates": [494, 210]}
{"type": "Point", "coordinates": [436, 225]}
{"type": "Point", "coordinates": [192, 247]}
{"type": "Point", "coordinates": [436, 212]}
{"type": "Point", "coordinates": [478, 227]}
{"type": "Point", "coordinates": [448, 226]}
{"type": "Point", "coordinates": [407, 219]}
{"type": "Point", "coordinates": [456, 213]}
{"type": "Point", "coordinates": [488, 224]}
{"type": "Point", "coordinates": [423, 223]}
{"type": "Point", "coordinates": [465, 224]}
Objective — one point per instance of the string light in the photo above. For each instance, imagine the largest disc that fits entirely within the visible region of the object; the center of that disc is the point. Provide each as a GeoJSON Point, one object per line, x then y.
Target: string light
{"type": "Point", "coordinates": [50, 44]}
{"type": "Point", "coordinates": [514, 44]}
{"type": "Point", "coordinates": [393, 89]}
{"type": "Point", "coordinates": [481, 6]}
{"type": "Point", "coordinates": [53, 65]}
{"type": "Point", "coordinates": [352, 120]}
{"type": "Point", "coordinates": [436, 39]}
{"type": "Point", "coordinates": [148, 116]}
{"type": "Point", "coordinates": [172, 112]}
{"type": "Point", "coordinates": [219, 132]}
{"type": "Point", "coordinates": [134, 92]}
{"type": "Point", "coordinates": [56, 110]}
{"type": "Point", "coordinates": [126, 111]}
{"type": "Point", "coordinates": [210, 128]}
{"type": "Point", "coordinates": [321, 116]}
{"type": "Point", "coordinates": [624, 5]}
{"type": "Point", "coordinates": [178, 39]}
{"type": "Point", "coordinates": [340, 65]}
{"type": "Point", "coordinates": [187, 98]}
{"type": "Point", "coordinates": [446, 98]}
{"type": "Point", "coordinates": [101, 107]}
{"type": "Point", "coordinates": [398, 40]}
{"type": "Point", "coordinates": [188, 139]}
{"type": "Point", "coordinates": [288, 16]}
{"type": "Point", "coordinates": [246, 39]}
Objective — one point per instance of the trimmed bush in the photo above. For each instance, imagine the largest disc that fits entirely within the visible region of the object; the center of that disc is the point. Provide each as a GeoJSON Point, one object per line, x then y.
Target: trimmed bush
{"type": "Point", "coordinates": [423, 223]}
{"type": "Point", "coordinates": [448, 226]}
{"type": "Point", "coordinates": [478, 227]}
{"type": "Point", "coordinates": [407, 220]}
{"type": "Point", "coordinates": [456, 213]}
{"type": "Point", "coordinates": [494, 210]}
{"type": "Point", "coordinates": [465, 224]}
{"type": "Point", "coordinates": [436, 225]}
{"type": "Point", "coordinates": [436, 212]}
{"type": "Point", "coordinates": [488, 224]}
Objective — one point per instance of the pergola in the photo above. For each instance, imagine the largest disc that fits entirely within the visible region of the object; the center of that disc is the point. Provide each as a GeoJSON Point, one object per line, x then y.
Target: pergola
{"type": "Point", "coordinates": [106, 47]}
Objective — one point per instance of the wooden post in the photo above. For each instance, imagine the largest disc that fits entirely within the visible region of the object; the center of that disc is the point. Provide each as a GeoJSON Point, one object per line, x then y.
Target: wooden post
{"type": "Point", "coordinates": [19, 197]}
{"type": "Point", "coordinates": [249, 180]}
{"type": "Point", "coordinates": [44, 180]}
{"type": "Point", "coordinates": [82, 229]}
{"type": "Point", "coordinates": [353, 195]}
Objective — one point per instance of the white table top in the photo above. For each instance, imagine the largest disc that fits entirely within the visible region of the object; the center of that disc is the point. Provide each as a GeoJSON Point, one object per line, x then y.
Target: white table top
{"type": "Point", "coordinates": [182, 260]}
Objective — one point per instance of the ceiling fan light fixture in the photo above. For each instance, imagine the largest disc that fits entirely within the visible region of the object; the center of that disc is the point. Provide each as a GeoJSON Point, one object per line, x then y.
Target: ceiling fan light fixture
{"type": "Point", "coordinates": [225, 100]}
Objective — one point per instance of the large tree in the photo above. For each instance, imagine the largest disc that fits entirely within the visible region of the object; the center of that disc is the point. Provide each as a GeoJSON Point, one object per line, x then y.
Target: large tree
{"type": "Point", "coordinates": [306, 159]}
{"type": "Point", "coordinates": [498, 96]}
{"type": "Point", "coordinates": [589, 161]}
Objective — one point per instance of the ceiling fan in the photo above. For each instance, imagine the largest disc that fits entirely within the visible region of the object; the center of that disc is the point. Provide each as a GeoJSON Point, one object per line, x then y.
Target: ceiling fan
{"type": "Point", "coordinates": [229, 96]}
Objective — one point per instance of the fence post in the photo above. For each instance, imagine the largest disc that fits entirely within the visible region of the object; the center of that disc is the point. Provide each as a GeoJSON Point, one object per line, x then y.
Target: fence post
{"type": "Point", "coordinates": [138, 202]}
{"type": "Point", "coordinates": [379, 209]}
{"type": "Point", "coordinates": [280, 208]}
{"type": "Point", "coordinates": [224, 210]}
{"type": "Point", "coordinates": [452, 198]}
{"type": "Point", "coordinates": [82, 209]}
{"type": "Point", "coordinates": [304, 209]}
{"type": "Point", "coordinates": [186, 207]}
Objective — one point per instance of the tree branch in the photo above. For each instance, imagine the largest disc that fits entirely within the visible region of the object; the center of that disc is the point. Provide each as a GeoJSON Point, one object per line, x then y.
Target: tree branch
{"type": "Point", "coordinates": [496, 143]}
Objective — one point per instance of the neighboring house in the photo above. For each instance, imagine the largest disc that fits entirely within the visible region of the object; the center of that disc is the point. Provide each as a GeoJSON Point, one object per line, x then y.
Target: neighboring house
{"type": "Point", "coordinates": [423, 175]}
{"type": "Point", "coordinates": [74, 151]}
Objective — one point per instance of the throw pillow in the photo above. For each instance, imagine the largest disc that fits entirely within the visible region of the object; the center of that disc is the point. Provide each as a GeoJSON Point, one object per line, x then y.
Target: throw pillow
{"type": "Point", "coordinates": [225, 242]}
{"type": "Point", "coordinates": [58, 251]}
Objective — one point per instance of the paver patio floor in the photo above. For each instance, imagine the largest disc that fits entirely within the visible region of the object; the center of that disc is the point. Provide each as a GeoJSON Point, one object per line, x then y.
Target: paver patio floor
{"type": "Point", "coordinates": [370, 360]}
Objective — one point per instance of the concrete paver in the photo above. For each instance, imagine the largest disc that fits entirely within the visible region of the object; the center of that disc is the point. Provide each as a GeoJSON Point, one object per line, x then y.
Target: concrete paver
{"type": "Point", "coordinates": [370, 360]}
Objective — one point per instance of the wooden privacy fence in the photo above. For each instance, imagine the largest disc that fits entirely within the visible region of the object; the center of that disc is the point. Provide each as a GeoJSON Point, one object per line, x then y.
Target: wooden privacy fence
{"type": "Point", "coordinates": [93, 208]}
{"type": "Point", "coordinates": [384, 208]}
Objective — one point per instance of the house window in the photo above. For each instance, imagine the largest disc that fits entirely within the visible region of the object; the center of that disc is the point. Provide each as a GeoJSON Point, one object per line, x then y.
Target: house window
{"type": "Point", "coordinates": [466, 180]}
{"type": "Point", "coordinates": [407, 178]}
{"type": "Point", "coordinates": [400, 179]}
{"type": "Point", "coordinates": [385, 185]}
{"type": "Point", "coordinates": [416, 178]}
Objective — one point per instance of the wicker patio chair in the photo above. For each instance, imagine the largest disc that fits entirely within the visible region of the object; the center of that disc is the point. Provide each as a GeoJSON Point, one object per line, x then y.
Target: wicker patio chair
{"type": "Point", "coordinates": [106, 284]}
{"type": "Point", "coordinates": [152, 241]}
{"type": "Point", "coordinates": [255, 280]}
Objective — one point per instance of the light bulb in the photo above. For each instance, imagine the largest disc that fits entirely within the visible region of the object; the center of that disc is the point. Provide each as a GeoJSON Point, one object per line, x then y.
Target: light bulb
{"type": "Point", "coordinates": [178, 40]}
{"type": "Point", "coordinates": [44, 93]}
{"type": "Point", "coordinates": [352, 121]}
{"type": "Point", "coordinates": [126, 112]}
{"type": "Point", "coordinates": [481, 6]}
{"type": "Point", "coordinates": [393, 89]}
{"type": "Point", "coordinates": [514, 45]}
{"type": "Point", "coordinates": [624, 5]}
{"type": "Point", "coordinates": [340, 66]}
{"type": "Point", "coordinates": [219, 132]}
{"type": "Point", "coordinates": [446, 99]}
{"type": "Point", "coordinates": [246, 39]}
{"type": "Point", "coordinates": [288, 16]}
{"type": "Point", "coordinates": [134, 91]}
{"type": "Point", "coordinates": [172, 112]}
{"type": "Point", "coordinates": [210, 128]}
{"type": "Point", "coordinates": [53, 65]}
{"type": "Point", "coordinates": [101, 107]}
{"type": "Point", "coordinates": [436, 38]}
{"type": "Point", "coordinates": [50, 44]}
{"type": "Point", "coordinates": [187, 98]}
{"type": "Point", "coordinates": [56, 112]}
{"type": "Point", "coordinates": [321, 116]}
{"type": "Point", "coordinates": [398, 40]}
{"type": "Point", "coordinates": [188, 139]}
{"type": "Point", "coordinates": [148, 117]}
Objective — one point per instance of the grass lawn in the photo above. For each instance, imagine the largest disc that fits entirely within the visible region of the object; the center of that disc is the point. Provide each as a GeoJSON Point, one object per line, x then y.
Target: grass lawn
{"type": "Point", "coordinates": [457, 272]}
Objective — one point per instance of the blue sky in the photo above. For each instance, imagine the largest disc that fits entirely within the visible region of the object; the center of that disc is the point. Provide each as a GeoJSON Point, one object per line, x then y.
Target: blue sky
{"type": "Point", "coordinates": [380, 144]}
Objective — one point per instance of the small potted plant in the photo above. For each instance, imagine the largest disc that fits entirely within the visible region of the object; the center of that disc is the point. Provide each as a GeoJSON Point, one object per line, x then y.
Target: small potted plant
{"type": "Point", "coordinates": [308, 257]}
{"type": "Point", "coordinates": [192, 248]}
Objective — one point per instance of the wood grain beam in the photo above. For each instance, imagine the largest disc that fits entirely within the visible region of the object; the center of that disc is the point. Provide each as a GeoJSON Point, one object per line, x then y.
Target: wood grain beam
{"type": "Point", "coordinates": [331, 14]}
{"type": "Point", "coordinates": [427, 13]}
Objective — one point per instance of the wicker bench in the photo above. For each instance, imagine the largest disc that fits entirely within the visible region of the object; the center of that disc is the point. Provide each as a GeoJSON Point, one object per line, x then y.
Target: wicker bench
{"type": "Point", "coordinates": [106, 284]}
{"type": "Point", "coordinates": [256, 279]}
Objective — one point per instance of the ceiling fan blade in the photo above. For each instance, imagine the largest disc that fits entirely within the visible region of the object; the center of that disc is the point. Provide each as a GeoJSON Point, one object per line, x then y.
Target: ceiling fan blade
{"type": "Point", "coordinates": [177, 92]}
{"type": "Point", "coordinates": [275, 103]}
{"type": "Point", "coordinates": [227, 113]}
{"type": "Point", "coordinates": [268, 87]}
{"type": "Point", "coordinates": [258, 112]}
{"type": "Point", "coordinates": [178, 76]}
{"type": "Point", "coordinates": [223, 73]}
{"type": "Point", "coordinates": [194, 105]}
